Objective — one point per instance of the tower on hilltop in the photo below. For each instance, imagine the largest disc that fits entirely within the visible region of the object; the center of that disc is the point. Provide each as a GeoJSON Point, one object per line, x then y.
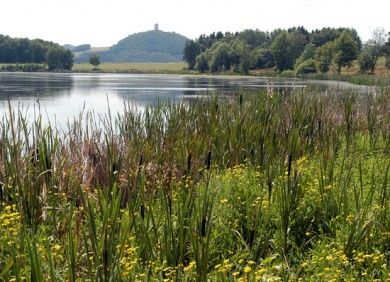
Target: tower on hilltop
{"type": "Point", "coordinates": [156, 26]}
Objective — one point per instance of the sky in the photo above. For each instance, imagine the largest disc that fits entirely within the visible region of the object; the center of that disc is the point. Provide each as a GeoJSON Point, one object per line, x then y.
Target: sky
{"type": "Point", "coordinates": [104, 22]}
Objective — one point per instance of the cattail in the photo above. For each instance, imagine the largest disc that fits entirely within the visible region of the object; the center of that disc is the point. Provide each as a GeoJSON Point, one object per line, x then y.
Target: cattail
{"type": "Point", "coordinates": [114, 167]}
{"type": "Point", "coordinates": [289, 165]}
{"type": "Point", "coordinates": [142, 211]}
{"type": "Point", "coordinates": [269, 190]}
{"type": "Point", "coordinates": [170, 205]}
{"type": "Point", "coordinates": [203, 227]}
{"type": "Point", "coordinates": [189, 158]}
{"type": "Point", "coordinates": [141, 161]}
{"type": "Point", "coordinates": [208, 160]}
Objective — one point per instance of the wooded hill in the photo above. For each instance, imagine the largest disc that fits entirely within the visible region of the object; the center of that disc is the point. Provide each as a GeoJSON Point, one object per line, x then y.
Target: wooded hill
{"type": "Point", "coordinates": [149, 46]}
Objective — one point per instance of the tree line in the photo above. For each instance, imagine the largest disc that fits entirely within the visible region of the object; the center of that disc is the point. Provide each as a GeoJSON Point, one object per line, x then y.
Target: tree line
{"type": "Point", "coordinates": [292, 49]}
{"type": "Point", "coordinates": [37, 51]}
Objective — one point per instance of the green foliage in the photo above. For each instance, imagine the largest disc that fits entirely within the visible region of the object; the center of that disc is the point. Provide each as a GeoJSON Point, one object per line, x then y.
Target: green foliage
{"type": "Point", "coordinates": [287, 73]}
{"type": "Point", "coordinates": [260, 186]}
{"type": "Point", "coordinates": [262, 58]}
{"type": "Point", "coordinates": [220, 57]}
{"type": "Point", "coordinates": [298, 39]}
{"type": "Point", "coordinates": [322, 36]}
{"type": "Point", "coordinates": [191, 51]}
{"type": "Point", "coordinates": [94, 60]}
{"type": "Point", "coordinates": [23, 67]}
{"type": "Point", "coordinates": [29, 52]}
{"type": "Point", "coordinates": [346, 50]}
{"type": "Point", "coordinates": [241, 56]}
{"type": "Point", "coordinates": [281, 52]}
{"type": "Point", "coordinates": [308, 66]}
{"type": "Point", "coordinates": [287, 47]}
{"type": "Point", "coordinates": [202, 64]}
{"type": "Point", "coordinates": [193, 48]}
{"type": "Point", "coordinates": [308, 53]}
{"type": "Point", "coordinates": [59, 59]}
{"type": "Point", "coordinates": [324, 56]}
{"type": "Point", "coordinates": [254, 38]}
{"type": "Point", "coordinates": [374, 48]}
{"type": "Point", "coordinates": [367, 59]}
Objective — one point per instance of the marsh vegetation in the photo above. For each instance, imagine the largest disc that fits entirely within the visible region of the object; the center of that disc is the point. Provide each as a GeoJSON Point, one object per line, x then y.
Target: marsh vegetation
{"type": "Point", "coordinates": [261, 186]}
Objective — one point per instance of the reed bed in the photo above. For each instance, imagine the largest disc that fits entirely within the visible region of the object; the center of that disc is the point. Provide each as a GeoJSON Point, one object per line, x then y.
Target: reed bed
{"type": "Point", "coordinates": [289, 186]}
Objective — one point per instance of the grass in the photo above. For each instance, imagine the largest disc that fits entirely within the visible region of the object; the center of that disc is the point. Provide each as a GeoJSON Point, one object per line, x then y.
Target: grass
{"type": "Point", "coordinates": [133, 68]}
{"type": "Point", "coordinates": [290, 186]}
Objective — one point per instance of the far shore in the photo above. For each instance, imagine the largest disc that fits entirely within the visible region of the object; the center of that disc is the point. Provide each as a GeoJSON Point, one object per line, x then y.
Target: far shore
{"type": "Point", "coordinates": [351, 75]}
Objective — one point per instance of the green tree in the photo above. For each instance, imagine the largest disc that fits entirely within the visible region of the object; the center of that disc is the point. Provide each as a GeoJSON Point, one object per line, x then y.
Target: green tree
{"type": "Point", "coordinates": [202, 64]}
{"type": "Point", "coordinates": [67, 59]}
{"type": "Point", "coordinates": [94, 60]}
{"type": "Point", "coordinates": [288, 46]}
{"type": "Point", "coordinates": [59, 58]}
{"type": "Point", "coordinates": [254, 38]}
{"type": "Point", "coordinates": [324, 56]}
{"type": "Point", "coordinates": [219, 59]}
{"type": "Point", "coordinates": [307, 54]}
{"type": "Point", "coordinates": [346, 50]}
{"type": "Point", "coordinates": [191, 51]}
{"type": "Point", "coordinates": [367, 59]}
{"type": "Point", "coordinates": [262, 58]}
{"type": "Point", "coordinates": [375, 47]}
{"type": "Point", "coordinates": [298, 39]}
{"type": "Point", "coordinates": [281, 52]}
{"type": "Point", "coordinates": [320, 37]}
{"type": "Point", "coordinates": [240, 56]}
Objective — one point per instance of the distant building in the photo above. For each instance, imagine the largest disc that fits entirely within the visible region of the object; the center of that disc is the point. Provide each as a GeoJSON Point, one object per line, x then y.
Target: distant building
{"type": "Point", "coordinates": [156, 26]}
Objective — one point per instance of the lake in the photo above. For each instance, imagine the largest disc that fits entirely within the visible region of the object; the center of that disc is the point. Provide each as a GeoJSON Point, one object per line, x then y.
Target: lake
{"type": "Point", "coordinates": [61, 96]}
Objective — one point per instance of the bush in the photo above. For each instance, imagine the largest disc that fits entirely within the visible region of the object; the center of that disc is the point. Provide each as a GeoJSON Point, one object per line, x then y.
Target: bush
{"type": "Point", "coordinates": [287, 73]}
{"type": "Point", "coordinates": [94, 60]}
{"type": "Point", "coordinates": [308, 66]}
{"type": "Point", "coordinates": [9, 68]}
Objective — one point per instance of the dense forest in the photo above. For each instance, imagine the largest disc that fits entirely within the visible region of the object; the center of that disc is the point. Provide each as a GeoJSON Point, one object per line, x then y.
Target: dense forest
{"type": "Point", "coordinates": [293, 49]}
{"type": "Point", "coordinates": [37, 51]}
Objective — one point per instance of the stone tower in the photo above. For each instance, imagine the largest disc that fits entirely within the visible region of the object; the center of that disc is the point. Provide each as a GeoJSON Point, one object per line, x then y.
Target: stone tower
{"type": "Point", "coordinates": [156, 26]}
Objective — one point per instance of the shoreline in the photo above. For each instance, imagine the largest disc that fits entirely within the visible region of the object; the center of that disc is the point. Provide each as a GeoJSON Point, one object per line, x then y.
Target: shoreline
{"type": "Point", "coordinates": [357, 79]}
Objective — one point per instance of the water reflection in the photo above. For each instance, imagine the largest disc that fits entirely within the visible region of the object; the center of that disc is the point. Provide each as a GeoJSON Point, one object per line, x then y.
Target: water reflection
{"type": "Point", "coordinates": [62, 96]}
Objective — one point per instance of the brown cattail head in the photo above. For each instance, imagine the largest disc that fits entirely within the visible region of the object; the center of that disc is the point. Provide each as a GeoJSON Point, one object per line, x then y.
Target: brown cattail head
{"type": "Point", "coordinates": [208, 160]}
{"type": "Point", "coordinates": [203, 227]}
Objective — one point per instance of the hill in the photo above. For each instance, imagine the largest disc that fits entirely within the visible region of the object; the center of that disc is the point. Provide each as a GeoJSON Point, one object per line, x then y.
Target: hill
{"type": "Point", "coordinates": [149, 46]}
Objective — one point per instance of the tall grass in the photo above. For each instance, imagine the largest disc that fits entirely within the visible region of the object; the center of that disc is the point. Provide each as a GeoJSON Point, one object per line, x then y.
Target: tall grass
{"type": "Point", "coordinates": [258, 186]}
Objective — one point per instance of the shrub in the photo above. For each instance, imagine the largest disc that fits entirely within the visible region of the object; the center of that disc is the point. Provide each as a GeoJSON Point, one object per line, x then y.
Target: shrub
{"type": "Point", "coordinates": [308, 66]}
{"type": "Point", "coordinates": [287, 73]}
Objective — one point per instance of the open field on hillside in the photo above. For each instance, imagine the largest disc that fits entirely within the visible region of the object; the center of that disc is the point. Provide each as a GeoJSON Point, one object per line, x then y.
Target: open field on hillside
{"type": "Point", "coordinates": [133, 67]}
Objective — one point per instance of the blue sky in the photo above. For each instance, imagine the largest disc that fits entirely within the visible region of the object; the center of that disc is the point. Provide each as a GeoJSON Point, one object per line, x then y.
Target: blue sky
{"type": "Point", "coordinates": [104, 22]}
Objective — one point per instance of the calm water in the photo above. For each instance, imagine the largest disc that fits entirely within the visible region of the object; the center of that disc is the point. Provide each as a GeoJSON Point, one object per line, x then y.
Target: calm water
{"type": "Point", "coordinates": [62, 96]}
